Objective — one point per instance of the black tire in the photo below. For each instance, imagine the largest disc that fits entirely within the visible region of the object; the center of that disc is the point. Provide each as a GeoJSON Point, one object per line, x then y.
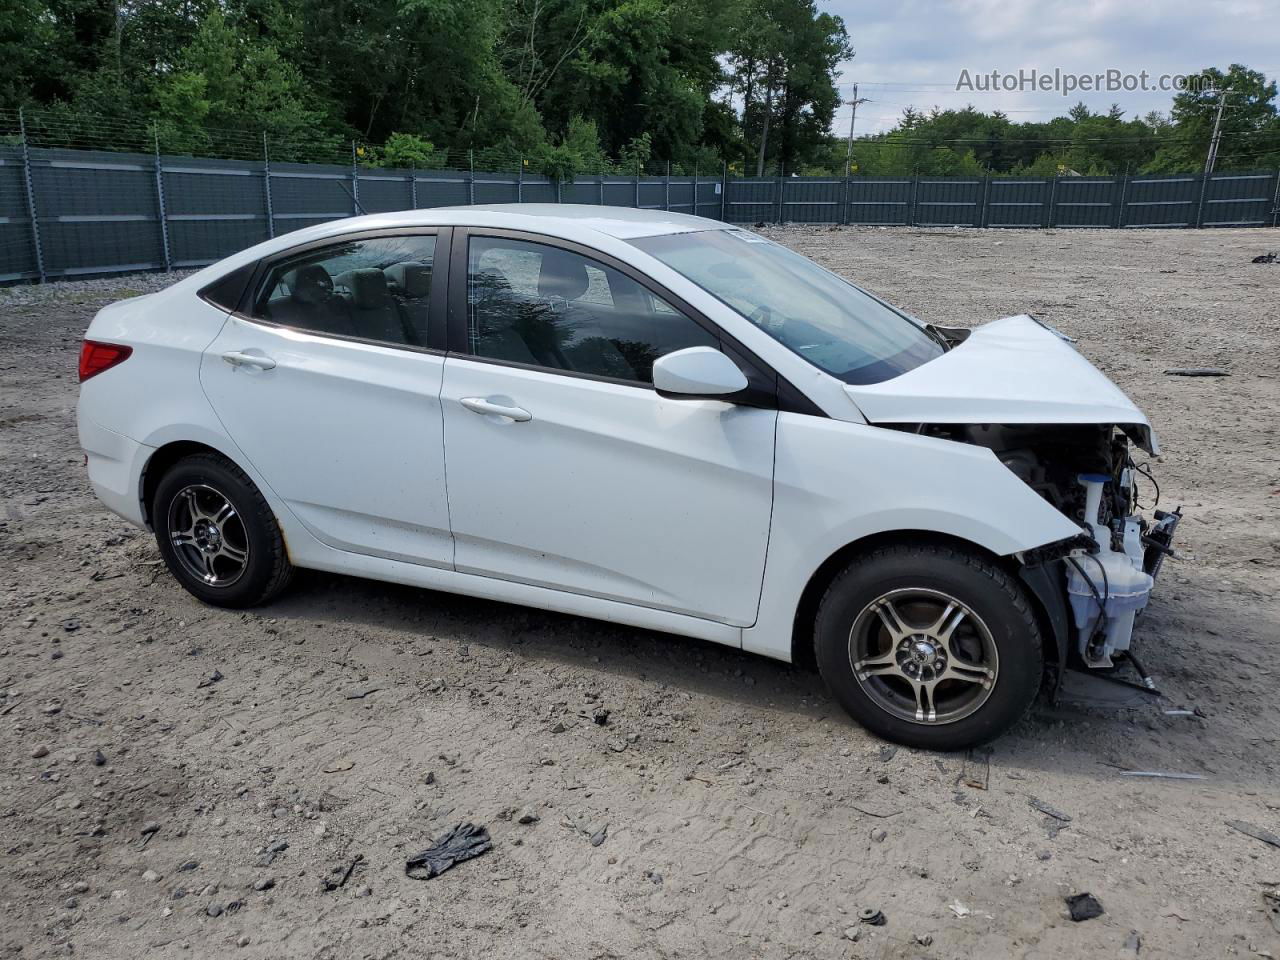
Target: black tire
{"type": "Point", "coordinates": [251, 527]}
{"type": "Point", "coordinates": [997, 629]}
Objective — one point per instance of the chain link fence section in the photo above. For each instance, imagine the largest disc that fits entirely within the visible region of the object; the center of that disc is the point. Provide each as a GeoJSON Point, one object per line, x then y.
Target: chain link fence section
{"type": "Point", "coordinates": [73, 202]}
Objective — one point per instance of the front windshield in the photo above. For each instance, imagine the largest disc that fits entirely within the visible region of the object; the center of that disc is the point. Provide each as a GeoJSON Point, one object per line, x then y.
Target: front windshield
{"type": "Point", "coordinates": [831, 323]}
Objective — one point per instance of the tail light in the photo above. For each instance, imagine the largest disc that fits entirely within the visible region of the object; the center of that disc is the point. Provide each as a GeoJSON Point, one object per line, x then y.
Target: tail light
{"type": "Point", "coordinates": [96, 357]}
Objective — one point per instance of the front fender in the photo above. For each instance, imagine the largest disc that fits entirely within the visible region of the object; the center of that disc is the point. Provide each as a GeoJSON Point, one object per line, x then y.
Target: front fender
{"type": "Point", "coordinates": [836, 483]}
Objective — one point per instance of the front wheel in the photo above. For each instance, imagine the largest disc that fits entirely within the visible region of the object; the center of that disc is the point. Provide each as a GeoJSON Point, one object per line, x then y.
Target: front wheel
{"type": "Point", "coordinates": [217, 534]}
{"type": "Point", "coordinates": [929, 646]}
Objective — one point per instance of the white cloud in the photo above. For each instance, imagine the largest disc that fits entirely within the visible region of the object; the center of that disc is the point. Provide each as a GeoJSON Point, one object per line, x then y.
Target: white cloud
{"type": "Point", "coordinates": [912, 52]}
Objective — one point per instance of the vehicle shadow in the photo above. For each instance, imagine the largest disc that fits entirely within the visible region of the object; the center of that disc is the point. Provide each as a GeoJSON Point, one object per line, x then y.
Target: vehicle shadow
{"type": "Point", "coordinates": [687, 665]}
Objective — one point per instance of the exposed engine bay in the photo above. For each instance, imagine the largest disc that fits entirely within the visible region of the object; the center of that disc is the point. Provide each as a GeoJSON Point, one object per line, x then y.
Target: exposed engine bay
{"type": "Point", "coordinates": [1087, 472]}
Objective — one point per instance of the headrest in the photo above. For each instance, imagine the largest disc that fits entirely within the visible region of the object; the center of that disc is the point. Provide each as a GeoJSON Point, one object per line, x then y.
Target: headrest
{"type": "Point", "coordinates": [411, 279]}
{"type": "Point", "coordinates": [562, 275]}
{"type": "Point", "coordinates": [310, 284]}
{"type": "Point", "coordinates": [368, 288]}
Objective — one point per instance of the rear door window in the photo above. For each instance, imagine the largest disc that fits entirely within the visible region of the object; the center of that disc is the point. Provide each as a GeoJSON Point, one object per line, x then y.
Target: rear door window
{"type": "Point", "coordinates": [375, 289]}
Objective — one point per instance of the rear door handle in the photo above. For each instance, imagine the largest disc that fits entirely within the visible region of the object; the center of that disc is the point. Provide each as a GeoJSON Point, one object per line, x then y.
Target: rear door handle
{"type": "Point", "coordinates": [485, 408]}
{"type": "Point", "coordinates": [239, 359]}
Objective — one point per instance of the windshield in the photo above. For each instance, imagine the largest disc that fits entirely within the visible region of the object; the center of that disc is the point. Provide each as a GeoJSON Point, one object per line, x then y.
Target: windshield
{"type": "Point", "coordinates": [831, 323]}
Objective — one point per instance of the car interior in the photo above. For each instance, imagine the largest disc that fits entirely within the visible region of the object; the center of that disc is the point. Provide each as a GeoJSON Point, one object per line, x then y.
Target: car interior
{"type": "Point", "coordinates": [612, 327]}
{"type": "Point", "coordinates": [388, 305]}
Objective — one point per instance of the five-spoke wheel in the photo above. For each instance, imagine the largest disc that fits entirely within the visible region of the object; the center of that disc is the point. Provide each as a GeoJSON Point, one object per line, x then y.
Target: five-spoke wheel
{"type": "Point", "coordinates": [208, 535]}
{"type": "Point", "coordinates": [217, 533]}
{"type": "Point", "coordinates": [929, 644]}
{"type": "Point", "coordinates": [923, 655]}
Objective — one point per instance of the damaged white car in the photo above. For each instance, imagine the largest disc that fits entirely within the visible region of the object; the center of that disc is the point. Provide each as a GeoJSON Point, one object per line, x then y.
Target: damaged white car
{"type": "Point", "coordinates": [644, 417]}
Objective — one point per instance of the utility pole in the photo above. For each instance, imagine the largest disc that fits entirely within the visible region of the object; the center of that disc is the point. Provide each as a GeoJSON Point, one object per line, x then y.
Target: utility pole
{"type": "Point", "coordinates": [1217, 133]}
{"type": "Point", "coordinates": [852, 117]}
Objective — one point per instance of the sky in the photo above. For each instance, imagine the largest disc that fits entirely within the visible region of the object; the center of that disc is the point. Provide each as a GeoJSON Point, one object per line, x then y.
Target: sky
{"type": "Point", "coordinates": [912, 52]}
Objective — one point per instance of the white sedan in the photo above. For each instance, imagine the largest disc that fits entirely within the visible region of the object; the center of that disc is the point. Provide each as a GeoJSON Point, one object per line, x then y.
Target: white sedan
{"type": "Point", "coordinates": [644, 417]}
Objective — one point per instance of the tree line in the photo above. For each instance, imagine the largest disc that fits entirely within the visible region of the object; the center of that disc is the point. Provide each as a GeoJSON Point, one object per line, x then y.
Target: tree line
{"type": "Point", "coordinates": [569, 86]}
{"type": "Point", "coordinates": [968, 142]}
{"type": "Point", "coordinates": [573, 84]}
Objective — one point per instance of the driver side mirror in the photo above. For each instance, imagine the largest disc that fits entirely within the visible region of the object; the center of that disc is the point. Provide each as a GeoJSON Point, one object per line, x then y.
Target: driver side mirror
{"type": "Point", "coordinates": [697, 373]}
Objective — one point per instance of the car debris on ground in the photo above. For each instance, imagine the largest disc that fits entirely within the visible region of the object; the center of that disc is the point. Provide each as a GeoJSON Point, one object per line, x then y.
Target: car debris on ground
{"type": "Point", "coordinates": [1084, 906]}
{"type": "Point", "coordinates": [460, 843]}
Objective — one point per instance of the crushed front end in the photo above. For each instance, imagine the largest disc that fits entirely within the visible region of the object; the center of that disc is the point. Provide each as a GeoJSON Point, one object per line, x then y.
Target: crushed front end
{"type": "Point", "coordinates": [1106, 574]}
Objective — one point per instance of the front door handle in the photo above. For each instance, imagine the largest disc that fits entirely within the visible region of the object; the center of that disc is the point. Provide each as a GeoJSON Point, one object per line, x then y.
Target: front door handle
{"type": "Point", "coordinates": [238, 358]}
{"type": "Point", "coordinates": [486, 408]}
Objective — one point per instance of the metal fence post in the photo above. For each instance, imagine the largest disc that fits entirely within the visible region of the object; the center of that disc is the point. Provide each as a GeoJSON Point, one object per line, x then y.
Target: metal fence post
{"type": "Point", "coordinates": [559, 195]}
{"type": "Point", "coordinates": [915, 196]}
{"type": "Point", "coordinates": [413, 187]}
{"type": "Point", "coordinates": [1053, 198]}
{"type": "Point", "coordinates": [666, 189]}
{"type": "Point", "coordinates": [164, 220]}
{"type": "Point", "coordinates": [1204, 185]}
{"type": "Point", "coordinates": [1124, 191]}
{"type": "Point", "coordinates": [986, 194]}
{"type": "Point", "coordinates": [844, 197]}
{"type": "Point", "coordinates": [520, 181]}
{"type": "Point", "coordinates": [31, 197]}
{"type": "Point", "coordinates": [266, 187]}
{"type": "Point", "coordinates": [355, 182]}
{"type": "Point", "coordinates": [782, 193]}
{"type": "Point", "coordinates": [724, 192]}
{"type": "Point", "coordinates": [1275, 203]}
{"type": "Point", "coordinates": [600, 183]}
{"type": "Point", "coordinates": [471, 179]}
{"type": "Point", "coordinates": [695, 188]}
{"type": "Point", "coordinates": [637, 203]}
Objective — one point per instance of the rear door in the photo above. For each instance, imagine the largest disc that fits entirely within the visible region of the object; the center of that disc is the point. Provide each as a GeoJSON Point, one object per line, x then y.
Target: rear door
{"type": "Point", "coordinates": [565, 468]}
{"type": "Point", "coordinates": [328, 379]}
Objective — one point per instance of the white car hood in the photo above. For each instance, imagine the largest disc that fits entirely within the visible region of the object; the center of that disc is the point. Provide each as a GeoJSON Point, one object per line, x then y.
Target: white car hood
{"type": "Point", "coordinates": [1012, 370]}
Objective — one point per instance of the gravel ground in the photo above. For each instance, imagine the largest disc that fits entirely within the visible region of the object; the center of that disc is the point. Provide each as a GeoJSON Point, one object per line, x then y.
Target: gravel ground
{"type": "Point", "coordinates": [726, 808]}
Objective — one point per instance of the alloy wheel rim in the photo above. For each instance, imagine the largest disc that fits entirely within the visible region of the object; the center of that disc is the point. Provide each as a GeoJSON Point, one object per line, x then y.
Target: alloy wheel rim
{"type": "Point", "coordinates": [923, 656]}
{"type": "Point", "coordinates": [208, 535]}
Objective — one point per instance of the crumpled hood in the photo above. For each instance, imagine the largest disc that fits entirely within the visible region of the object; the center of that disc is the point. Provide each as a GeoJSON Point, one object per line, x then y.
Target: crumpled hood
{"type": "Point", "coordinates": [1011, 370]}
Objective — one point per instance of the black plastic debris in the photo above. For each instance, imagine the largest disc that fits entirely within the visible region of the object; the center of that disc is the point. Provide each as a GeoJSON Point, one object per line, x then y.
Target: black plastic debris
{"type": "Point", "coordinates": [1267, 258]}
{"type": "Point", "coordinates": [210, 680]}
{"type": "Point", "coordinates": [1258, 833]}
{"type": "Point", "coordinates": [1084, 906]}
{"type": "Point", "coordinates": [1049, 811]}
{"type": "Point", "coordinates": [463, 842]}
{"type": "Point", "coordinates": [1197, 372]}
{"type": "Point", "coordinates": [341, 875]}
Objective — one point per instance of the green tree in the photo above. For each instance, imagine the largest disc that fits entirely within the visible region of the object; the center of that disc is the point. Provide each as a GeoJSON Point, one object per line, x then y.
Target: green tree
{"type": "Point", "coordinates": [1250, 136]}
{"type": "Point", "coordinates": [783, 56]}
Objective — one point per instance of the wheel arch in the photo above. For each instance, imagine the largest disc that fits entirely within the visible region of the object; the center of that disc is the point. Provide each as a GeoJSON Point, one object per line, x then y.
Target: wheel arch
{"type": "Point", "coordinates": [1050, 616]}
{"type": "Point", "coordinates": [163, 458]}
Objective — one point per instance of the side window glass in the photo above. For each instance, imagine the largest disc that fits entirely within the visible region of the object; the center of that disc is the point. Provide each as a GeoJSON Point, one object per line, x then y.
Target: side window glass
{"type": "Point", "coordinates": [541, 305]}
{"type": "Point", "coordinates": [377, 289]}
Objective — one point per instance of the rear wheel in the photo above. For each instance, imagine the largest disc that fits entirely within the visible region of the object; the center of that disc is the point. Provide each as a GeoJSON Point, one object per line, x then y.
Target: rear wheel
{"type": "Point", "coordinates": [930, 646]}
{"type": "Point", "coordinates": [217, 534]}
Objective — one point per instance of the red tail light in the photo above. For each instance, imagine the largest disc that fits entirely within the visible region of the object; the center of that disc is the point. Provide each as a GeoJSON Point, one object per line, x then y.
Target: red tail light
{"type": "Point", "coordinates": [96, 357]}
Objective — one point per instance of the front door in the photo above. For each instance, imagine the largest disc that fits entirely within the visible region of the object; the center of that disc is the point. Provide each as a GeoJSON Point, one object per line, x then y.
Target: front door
{"type": "Point", "coordinates": [327, 385]}
{"type": "Point", "coordinates": [567, 470]}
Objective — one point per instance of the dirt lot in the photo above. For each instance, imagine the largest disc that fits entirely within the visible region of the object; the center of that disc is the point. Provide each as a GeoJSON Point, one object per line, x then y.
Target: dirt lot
{"type": "Point", "coordinates": [745, 816]}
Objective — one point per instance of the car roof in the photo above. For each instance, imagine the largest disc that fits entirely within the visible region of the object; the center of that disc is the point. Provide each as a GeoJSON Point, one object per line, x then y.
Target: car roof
{"type": "Point", "coordinates": [568, 221]}
{"type": "Point", "coordinates": [562, 219]}
{"type": "Point", "coordinates": [624, 223]}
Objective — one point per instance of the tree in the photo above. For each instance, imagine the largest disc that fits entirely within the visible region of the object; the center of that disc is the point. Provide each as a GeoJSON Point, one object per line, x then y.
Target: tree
{"type": "Point", "coordinates": [1250, 135]}
{"type": "Point", "coordinates": [783, 57]}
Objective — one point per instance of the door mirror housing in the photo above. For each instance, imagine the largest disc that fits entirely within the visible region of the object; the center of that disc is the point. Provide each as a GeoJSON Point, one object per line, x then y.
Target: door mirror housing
{"type": "Point", "coordinates": [697, 373]}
